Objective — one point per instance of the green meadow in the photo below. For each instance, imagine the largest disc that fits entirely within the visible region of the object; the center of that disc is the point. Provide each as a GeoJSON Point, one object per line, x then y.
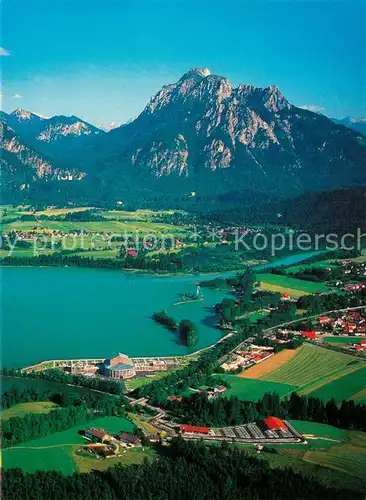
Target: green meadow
{"type": "Point", "coordinates": [21, 409]}
{"type": "Point", "coordinates": [253, 389]}
{"type": "Point", "coordinates": [342, 388]}
{"type": "Point", "coordinates": [57, 451]}
{"type": "Point", "coordinates": [293, 286]}
{"type": "Point", "coordinates": [343, 340]}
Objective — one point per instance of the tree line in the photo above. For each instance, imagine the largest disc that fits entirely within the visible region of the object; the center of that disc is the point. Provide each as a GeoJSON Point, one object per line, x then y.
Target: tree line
{"type": "Point", "coordinates": [96, 383]}
{"type": "Point", "coordinates": [197, 409]}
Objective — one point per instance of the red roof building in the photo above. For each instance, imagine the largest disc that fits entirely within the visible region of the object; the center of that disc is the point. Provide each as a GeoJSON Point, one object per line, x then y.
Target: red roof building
{"type": "Point", "coordinates": [309, 335]}
{"type": "Point", "coordinates": [194, 429]}
{"type": "Point", "coordinates": [285, 296]}
{"type": "Point", "coordinates": [323, 320]}
{"type": "Point", "coordinates": [274, 423]}
{"type": "Point", "coordinates": [363, 342]}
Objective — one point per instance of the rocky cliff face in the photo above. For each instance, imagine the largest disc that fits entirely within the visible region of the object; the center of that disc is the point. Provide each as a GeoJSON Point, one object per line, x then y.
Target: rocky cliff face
{"type": "Point", "coordinates": [21, 166]}
{"type": "Point", "coordinates": [202, 124]}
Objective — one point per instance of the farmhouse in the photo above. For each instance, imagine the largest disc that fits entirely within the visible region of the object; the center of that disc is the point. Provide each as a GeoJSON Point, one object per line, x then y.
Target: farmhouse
{"type": "Point", "coordinates": [99, 434]}
{"type": "Point", "coordinates": [108, 453]}
{"type": "Point", "coordinates": [129, 439]}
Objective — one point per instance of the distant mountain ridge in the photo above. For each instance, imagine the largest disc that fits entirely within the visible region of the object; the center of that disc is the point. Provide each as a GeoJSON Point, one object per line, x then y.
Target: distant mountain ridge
{"type": "Point", "coordinates": [48, 134]}
{"type": "Point", "coordinates": [358, 124]}
{"type": "Point", "coordinates": [22, 166]}
{"type": "Point", "coordinates": [201, 134]}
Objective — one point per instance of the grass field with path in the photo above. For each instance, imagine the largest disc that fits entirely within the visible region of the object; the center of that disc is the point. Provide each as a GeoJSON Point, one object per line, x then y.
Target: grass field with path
{"type": "Point", "coordinates": [57, 451]}
{"type": "Point", "coordinates": [293, 286]}
{"type": "Point", "coordinates": [21, 409]}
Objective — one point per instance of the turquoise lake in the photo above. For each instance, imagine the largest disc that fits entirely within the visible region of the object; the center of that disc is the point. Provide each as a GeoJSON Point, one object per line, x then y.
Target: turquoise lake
{"type": "Point", "coordinates": [60, 313]}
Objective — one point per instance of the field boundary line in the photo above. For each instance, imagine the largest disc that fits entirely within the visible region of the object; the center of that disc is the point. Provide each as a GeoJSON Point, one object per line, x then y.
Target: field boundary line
{"type": "Point", "coordinates": [321, 381]}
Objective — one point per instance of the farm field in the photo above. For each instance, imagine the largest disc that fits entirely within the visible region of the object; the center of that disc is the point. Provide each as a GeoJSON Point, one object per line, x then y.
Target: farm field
{"type": "Point", "coordinates": [348, 457]}
{"type": "Point", "coordinates": [57, 451]}
{"type": "Point", "coordinates": [328, 447]}
{"type": "Point", "coordinates": [343, 340]}
{"type": "Point", "coordinates": [312, 370]}
{"type": "Point", "coordinates": [360, 397]}
{"type": "Point", "coordinates": [361, 258]}
{"type": "Point", "coordinates": [314, 265]}
{"type": "Point", "coordinates": [325, 460]}
{"type": "Point", "coordinates": [21, 409]}
{"type": "Point", "coordinates": [251, 389]}
{"type": "Point", "coordinates": [312, 364]}
{"type": "Point", "coordinates": [268, 366]}
{"type": "Point", "coordinates": [342, 388]}
{"type": "Point", "coordinates": [110, 226]}
{"type": "Point", "coordinates": [293, 286]}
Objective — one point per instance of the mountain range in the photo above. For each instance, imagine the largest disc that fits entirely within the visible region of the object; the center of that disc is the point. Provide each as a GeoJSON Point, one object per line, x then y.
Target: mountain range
{"type": "Point", "coordinates": [358, 124]}
{"type": "Point", "coordinates": [199, 134]}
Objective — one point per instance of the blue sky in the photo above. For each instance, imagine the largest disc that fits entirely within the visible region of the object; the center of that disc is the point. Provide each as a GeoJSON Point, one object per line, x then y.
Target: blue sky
{"type": "Point", "coordinates": [103, 59]}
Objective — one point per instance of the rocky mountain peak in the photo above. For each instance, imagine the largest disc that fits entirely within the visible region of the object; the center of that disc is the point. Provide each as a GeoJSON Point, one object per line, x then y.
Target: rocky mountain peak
{"type": "Point", "coordinates": [203, 72]}
{"type": "Point", "coordinates": [22, 115]}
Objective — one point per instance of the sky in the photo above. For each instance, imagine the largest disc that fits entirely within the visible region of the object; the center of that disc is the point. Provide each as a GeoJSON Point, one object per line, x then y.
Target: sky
{"type": "Point", "coordinates": [102, 60]}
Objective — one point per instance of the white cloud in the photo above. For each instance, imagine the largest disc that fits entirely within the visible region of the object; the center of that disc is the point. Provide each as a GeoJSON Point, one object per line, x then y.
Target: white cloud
{"type": "Point", "coordinates": [312, 107]}
{"type": "Point", "coordinates": [4, 52]}
{"type": "Point", "coordinates": [17, 96]}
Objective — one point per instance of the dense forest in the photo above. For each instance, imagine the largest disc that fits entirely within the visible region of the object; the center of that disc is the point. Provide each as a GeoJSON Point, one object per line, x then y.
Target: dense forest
{"type": "Point", "coordinates": [186, 470]}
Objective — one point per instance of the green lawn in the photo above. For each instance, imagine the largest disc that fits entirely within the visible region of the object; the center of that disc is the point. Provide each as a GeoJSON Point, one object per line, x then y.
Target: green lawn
{"type": "Point", "coordinates": [313, 366]}
{"type": "Point", "coordinates": [137, 382]}
{"type": "Point", "coordinates": [319, 430]}
{"type": "Point", "coordinates": [293, 286]}
{"type": "Point", "coordinates": [348, 457]}
{"type": "Point", "coordinates": [56, 451]}
{"type": "Point", "coordinates": [21, 409]}
{"type": "Point", "coordinates": [314, 265]}
{"type": "Point", "coordinates": [343, 340]}
{"type": "Point", "coordinates": [253, 389]}
{"type": "Point", "coordinates": [342, 388]}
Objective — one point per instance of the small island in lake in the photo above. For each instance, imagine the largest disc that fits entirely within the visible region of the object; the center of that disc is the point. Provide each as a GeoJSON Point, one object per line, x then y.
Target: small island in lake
{"type": "Point", "coordinates": [190, 297]}
{"type": "Point", "coordinates": [164, 319]}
